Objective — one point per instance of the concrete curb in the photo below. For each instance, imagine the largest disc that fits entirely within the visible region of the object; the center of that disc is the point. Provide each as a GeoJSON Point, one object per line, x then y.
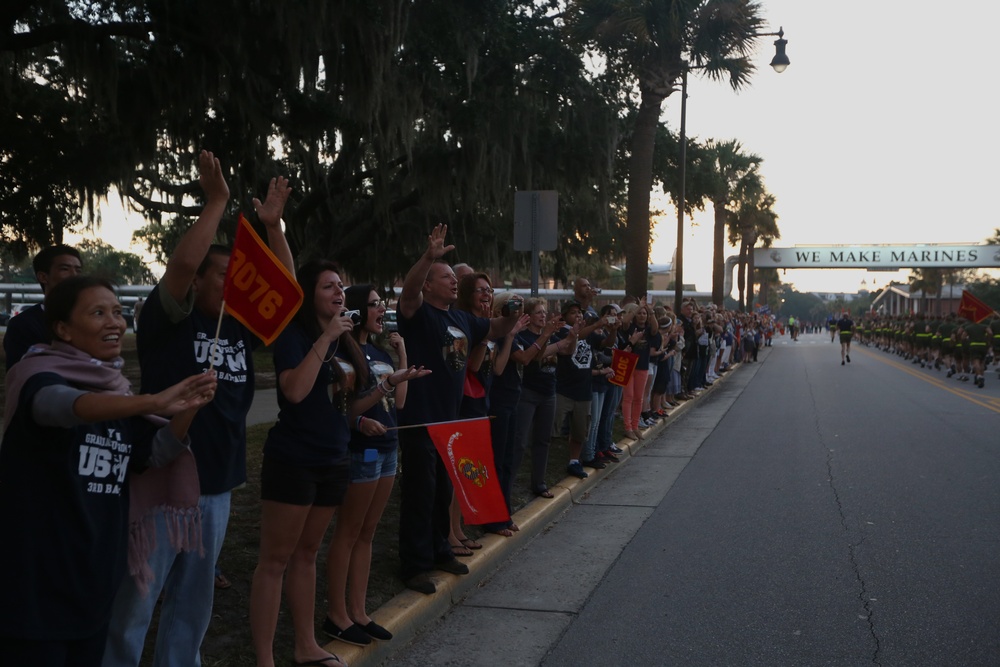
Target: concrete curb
{"type": "Point", "coordinates": [407, 613]}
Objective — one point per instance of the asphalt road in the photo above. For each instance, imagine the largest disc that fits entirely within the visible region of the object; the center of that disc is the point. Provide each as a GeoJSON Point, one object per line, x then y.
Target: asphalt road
{"type": "Point", "coordinates": [805, 513]}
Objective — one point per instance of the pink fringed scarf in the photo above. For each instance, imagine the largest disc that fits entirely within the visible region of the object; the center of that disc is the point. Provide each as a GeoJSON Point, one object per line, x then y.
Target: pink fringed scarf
{"type": "Point", "coordinates": [173, 489]}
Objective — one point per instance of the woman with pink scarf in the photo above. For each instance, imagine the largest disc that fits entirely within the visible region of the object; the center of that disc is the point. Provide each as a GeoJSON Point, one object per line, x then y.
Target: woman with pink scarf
{"type": "Point", "coordinates": [72, 434]}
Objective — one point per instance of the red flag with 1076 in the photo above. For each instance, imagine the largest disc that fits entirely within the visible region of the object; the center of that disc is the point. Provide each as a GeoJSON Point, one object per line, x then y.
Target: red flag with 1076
{"type": "Point", "coordinates": [467, 452]}
{"type": "Point", "coordinates": [623, 363]}
{"type": "Point", "coordinates": [259, 291]}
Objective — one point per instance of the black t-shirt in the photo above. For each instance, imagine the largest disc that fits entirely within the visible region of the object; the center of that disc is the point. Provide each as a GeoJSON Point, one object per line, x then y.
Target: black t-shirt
{"type": "Point", "coordinates": [506, 387]}
{"type": "Point", "coordinates": [312, 432]}
{"type": "Point", "coordinates": [26, 329]}
{"type": "Point", "coordinates": [539, 377]}
{"type": "Point", "coordinates": [170, 351]}
{"type": "Point", "coordinates": [64, 519]}
{"type": "Point", "coordinates": [845, 325]}
{"type": "Point", "coordinates": [439, 340]}
{"type": "Point", "coordinates": [573, 370]}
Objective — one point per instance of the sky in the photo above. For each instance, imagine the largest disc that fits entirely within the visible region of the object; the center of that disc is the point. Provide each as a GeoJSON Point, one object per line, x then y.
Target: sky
{"type": "Point", "coordinates": [882, 130]}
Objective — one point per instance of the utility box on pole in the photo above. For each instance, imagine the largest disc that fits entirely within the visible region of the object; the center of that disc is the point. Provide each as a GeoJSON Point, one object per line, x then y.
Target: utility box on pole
{"type": "Point", "coordinates": [536, 222]}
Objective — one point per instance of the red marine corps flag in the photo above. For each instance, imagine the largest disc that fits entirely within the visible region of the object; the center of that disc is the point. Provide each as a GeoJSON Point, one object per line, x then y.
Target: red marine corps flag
{"type": "Point", "coordinates": [259, 290]}
{"type": "Point", "coordinates": [971, 308]}
{"type": "Point", "coordinates": [467, 453]}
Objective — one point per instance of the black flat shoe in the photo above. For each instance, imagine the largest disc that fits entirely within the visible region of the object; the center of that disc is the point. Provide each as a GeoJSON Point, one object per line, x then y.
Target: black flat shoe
{"type": "Point", "coordinates": [376, 631]}
{"type": "Point", "coordinates": [354, 634]}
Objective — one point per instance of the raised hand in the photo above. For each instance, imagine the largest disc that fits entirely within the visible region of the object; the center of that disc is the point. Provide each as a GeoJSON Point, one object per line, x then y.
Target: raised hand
{"type": "Point", "coordinates": [520, 325]}
{"type": "Point", "coordinates": [436, 248]}
{"type": "Point", "coordinates": [270, 211]}
{"type": "Point", "coordinates": [211, 177]}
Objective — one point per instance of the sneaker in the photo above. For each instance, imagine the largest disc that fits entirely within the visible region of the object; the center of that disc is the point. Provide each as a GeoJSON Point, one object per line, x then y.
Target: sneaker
{"type": "Point", "coordinates": [576, 469]}
{"type": "Point", "coordinates": [608, 456]}
{"type": "Point", "coordinates": [848, 358]}
{"type": "Point", "coordinates": [615, 449]}
{"type": "Point", "coordinates": [376, 631]}
{"type": "Point", "coordinates": [354, 635]}
{"type": "Point", "coordinates": [595, 464]}
{"type": "Point", "coordinates": [841, 362]}
{"type": "Point", "coordinates": [452, 566]}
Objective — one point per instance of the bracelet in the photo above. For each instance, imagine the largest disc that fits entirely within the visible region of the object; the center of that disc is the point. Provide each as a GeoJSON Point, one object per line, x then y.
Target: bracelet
{"type": "Point", "coordinates": [536, 345]}
{"type": "Point", "coordinates": [386, 388]}
{"type": "Point", "coordinates": [388, 382]}
{"type": "Point", "coordinates": [357, 422]}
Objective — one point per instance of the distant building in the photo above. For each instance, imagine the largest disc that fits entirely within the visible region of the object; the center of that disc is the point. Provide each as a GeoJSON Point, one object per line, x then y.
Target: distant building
{"type": "Point", "coordinates": [898, 299]}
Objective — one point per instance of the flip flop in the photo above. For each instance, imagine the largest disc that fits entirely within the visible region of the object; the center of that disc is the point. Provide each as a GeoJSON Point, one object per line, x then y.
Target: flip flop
{"type": "Point", "coordinates": [544, 493]}
{"type": "Point", "coordinates": [514, 527]}
{"type": "Point", "coordinates": [503, 532]}
{"type": "Point", "coordinates": [320, 662]}
{"type": "Point", "coordinates": [470, 543]}
{"type": "Point", "coordinates": [460, 550]}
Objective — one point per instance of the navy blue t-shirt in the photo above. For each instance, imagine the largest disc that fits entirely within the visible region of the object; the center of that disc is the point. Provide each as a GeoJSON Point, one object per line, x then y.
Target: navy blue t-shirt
{"type": "Point", "coordinates": [439, 340]}
{"type": "Point", "coordinates": [539, 377]}
{"type": "Point", "coordinates": [640, 348]}
{"type": "Point", "coordinates": [64, 519]}
{"type": "Point", "coordinates": [24, 330]}
{"type": "Point", "coordinates": [314, 431]}
{"type": "Point", "coordinates": [379, 368]}
{"type": "Point", "coordinates": [170, 351]}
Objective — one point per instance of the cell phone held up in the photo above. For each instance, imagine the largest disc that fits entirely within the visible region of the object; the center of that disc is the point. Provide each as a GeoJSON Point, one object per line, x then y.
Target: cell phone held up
{"type": "Point", "coordinates": [355, 316]}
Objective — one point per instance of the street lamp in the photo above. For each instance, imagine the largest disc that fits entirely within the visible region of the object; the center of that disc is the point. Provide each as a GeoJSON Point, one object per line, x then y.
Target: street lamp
{"type": "Point", "coordinates": [780, 62]}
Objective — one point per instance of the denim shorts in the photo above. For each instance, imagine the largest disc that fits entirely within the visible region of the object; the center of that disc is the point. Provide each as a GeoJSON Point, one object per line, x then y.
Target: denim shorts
{"type": "Point", "coordinates": [383, 464]}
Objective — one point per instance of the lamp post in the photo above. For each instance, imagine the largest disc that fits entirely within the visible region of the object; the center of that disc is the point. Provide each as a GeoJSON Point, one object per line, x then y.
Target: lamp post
{"type": "Point", "coordinates": [779, 63]}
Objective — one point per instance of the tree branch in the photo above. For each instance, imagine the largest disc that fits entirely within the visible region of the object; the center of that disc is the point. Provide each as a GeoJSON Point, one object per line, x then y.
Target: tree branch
{"type": "Point", "coordinates": [75, 29]}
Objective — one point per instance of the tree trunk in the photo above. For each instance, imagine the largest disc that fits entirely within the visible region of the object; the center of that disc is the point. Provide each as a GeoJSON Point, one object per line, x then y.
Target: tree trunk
{"type": "Point", "coordinates": [741, 274]}
{"type": "Point", "coordinates": [640, 183]}
{"type": "Point", "coordinates": [718, 258]}
{"type": "Point", "coordinates": [750, 270]}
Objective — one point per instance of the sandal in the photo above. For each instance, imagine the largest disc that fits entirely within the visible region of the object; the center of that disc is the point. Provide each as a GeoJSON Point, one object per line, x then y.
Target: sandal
{"type": "Point", "coordinates": [503, 532]}
{"type": "Point", "coordinates": [221, 582]}
{"type": "Point", "coordinates": [513, 526]}
{"type": "Point", "coordinates": [544, 493]}
{"type": "Point", "coordinates": [460, 550]}
{"type": "Point", "coordinates": [470, 543]}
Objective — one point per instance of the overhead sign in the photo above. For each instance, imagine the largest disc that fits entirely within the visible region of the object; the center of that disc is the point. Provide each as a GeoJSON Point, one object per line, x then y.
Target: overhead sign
{"type": "Point", "coordinates": [878, 257]}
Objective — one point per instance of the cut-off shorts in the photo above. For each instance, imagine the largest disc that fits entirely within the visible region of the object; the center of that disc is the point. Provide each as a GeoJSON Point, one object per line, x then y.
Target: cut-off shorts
{"type": "Point", "coordinates": [383, 464]}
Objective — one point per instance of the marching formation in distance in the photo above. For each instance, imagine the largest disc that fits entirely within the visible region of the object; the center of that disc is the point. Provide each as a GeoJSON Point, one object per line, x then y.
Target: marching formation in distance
{"type": "Point", "coordinates": [125, 497]}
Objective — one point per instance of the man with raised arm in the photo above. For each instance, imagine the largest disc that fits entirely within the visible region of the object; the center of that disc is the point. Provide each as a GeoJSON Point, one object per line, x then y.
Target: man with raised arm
{"type": "Point", "coordinates": [176, 339]}
{"type": "Point", "coordinates": [439, 338]}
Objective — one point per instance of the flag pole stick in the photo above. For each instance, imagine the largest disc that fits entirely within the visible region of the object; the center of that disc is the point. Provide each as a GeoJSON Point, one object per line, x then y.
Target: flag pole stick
{"type": "Point", "coordinates": [454, 421]}
{"type": "Point", "coordinates": [218, 328]}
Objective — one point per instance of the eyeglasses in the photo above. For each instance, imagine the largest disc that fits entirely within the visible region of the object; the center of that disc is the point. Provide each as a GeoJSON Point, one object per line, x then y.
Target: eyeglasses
{"type": "Point", "coordinates": [484, 290]}
{"type": "Point", "coordinates": [377, 303]}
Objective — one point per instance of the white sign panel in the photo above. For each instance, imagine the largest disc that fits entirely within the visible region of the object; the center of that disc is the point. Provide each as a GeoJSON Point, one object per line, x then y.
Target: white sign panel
{"type": "Point", "coordinates": [878, 257]}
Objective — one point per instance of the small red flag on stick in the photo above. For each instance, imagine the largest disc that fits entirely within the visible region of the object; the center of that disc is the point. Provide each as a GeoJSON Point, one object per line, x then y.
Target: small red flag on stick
{"type": "Point", "coordinates": [467, 452]}
{"type": "Point", "coordinates": [259, 292]}
{"type": "Point", "coordinates": [623, 364]}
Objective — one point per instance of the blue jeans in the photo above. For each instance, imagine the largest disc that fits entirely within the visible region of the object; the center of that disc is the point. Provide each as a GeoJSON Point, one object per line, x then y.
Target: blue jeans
{"type": "Point", "coordinates": [606, 425]}
{"type": "Point", "coordinates": [188, 584]}
{"type": "Point", "coordinates": [589, 449]}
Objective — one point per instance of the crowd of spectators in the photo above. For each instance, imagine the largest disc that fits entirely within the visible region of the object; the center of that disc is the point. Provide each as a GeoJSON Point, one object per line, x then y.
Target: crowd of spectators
{"type": "Point", "coordinates": [538, 368]}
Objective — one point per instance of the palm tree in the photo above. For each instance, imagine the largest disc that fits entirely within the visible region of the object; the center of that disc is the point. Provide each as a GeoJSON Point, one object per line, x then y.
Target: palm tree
{"type": "Point", "coordinates": [735, 172]}
{"type": "Point", "coordinates": [754, 221]}
{"type": "Point", "coordinates": [656, 41]}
